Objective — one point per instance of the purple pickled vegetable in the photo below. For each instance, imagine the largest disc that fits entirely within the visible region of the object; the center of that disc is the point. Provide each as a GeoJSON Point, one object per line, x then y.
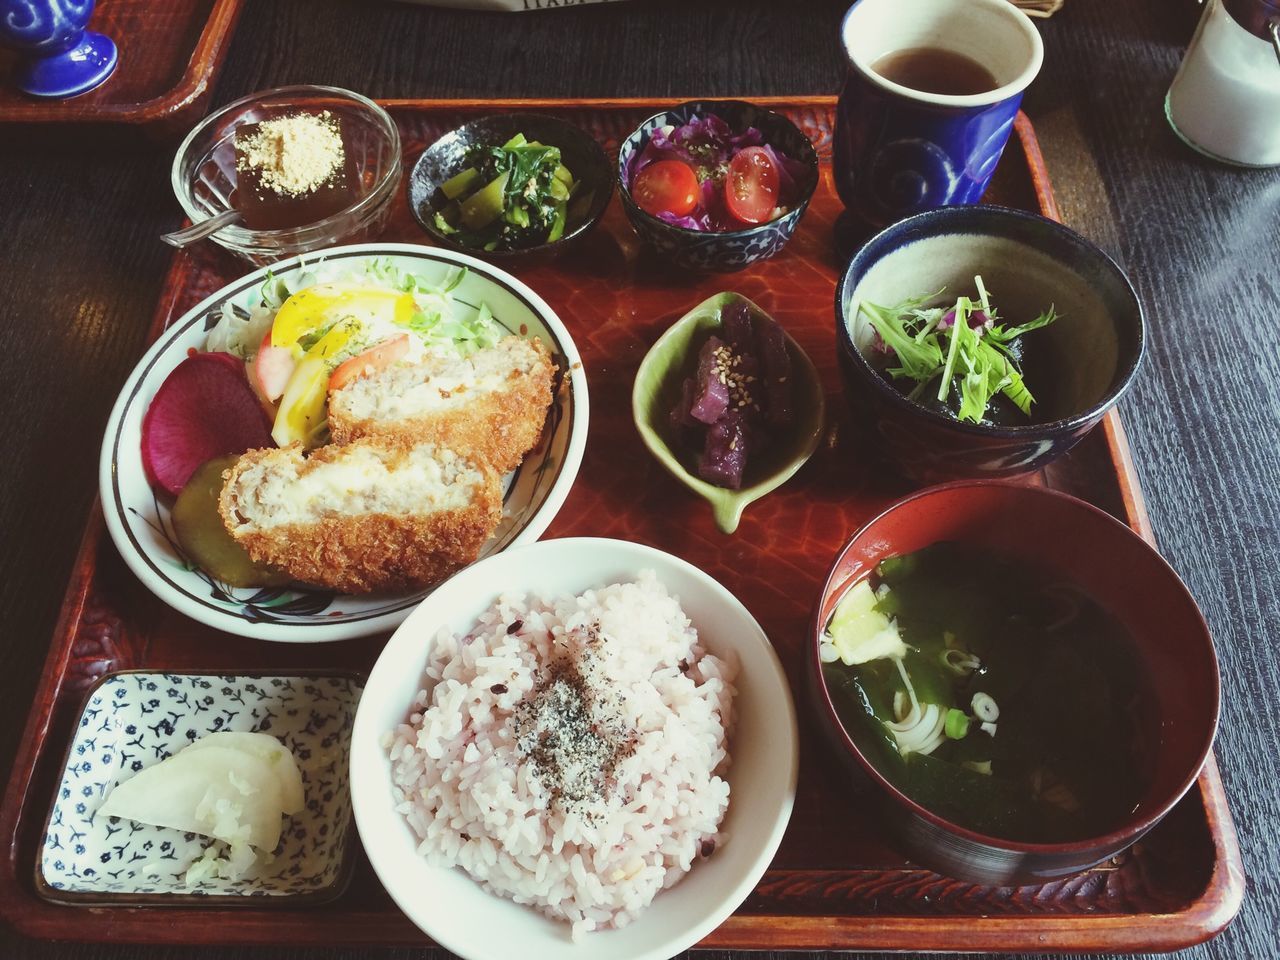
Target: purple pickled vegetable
{"type": "Point", "coordinates": [735, 319]}
{"type": "Point", "coordinates": [724, 455]}
{"type": "Point", "coordinates": [711, 387]}
{"type": "Point", "coordinates": [775, 365]}
{"type": "Point", "coordinates": [681, 417]}
{"type": "Point", "coordinates": [741, 391]}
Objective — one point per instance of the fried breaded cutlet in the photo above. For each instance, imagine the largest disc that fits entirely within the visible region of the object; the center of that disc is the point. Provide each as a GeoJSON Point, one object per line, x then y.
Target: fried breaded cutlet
{"type": "Point", "coordinates": [491, 404]}
{"type": "Point", "coordinates": [367, 517]}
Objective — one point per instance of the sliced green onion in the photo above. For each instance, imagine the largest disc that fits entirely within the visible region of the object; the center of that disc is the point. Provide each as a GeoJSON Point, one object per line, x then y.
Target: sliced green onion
{"type": "Point", "coordinates": [958, 661]}
{"type": "Point", "coordinates": [956, 726]}
{"type": "Point", "coordinates": [984, 707]}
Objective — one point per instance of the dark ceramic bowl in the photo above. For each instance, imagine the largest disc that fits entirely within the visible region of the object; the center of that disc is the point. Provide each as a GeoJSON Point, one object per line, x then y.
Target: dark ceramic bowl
{"type": "Point", "coordinates": [1027, 263]}
{"type": "Point", "coordinates": [446, 157]}
{"type": "Point", "coordinates": [735, 249]}
{"type": "Point", "coordinates": [1122, 573]}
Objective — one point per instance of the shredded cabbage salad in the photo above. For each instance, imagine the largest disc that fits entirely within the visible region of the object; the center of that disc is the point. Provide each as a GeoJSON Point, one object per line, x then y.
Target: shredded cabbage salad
{"type": "Point", "coordinates": [439, 322]}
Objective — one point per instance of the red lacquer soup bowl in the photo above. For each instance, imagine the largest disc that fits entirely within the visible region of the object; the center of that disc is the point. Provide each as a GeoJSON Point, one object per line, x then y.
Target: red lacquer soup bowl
{"type": "Point", "coordinates": [1108, 562]}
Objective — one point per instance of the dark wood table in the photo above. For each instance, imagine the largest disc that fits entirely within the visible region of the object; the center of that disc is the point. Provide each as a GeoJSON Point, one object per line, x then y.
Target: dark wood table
{"type": "Point", "coordinates": [80, 213]}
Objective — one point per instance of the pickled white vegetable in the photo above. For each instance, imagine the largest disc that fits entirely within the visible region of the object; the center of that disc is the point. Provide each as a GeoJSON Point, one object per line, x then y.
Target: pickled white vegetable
{"type": "Point", "coordinates": [268, 749]}
{"type": "Point", "coordinates": [216, 791]}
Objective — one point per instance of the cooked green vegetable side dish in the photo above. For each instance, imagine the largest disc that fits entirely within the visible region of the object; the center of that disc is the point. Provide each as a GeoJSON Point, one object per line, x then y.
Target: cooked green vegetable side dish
{"type": "Point", "coordinates": [994, 695]}
{"type": "Point", "coordinates": [510, 197]}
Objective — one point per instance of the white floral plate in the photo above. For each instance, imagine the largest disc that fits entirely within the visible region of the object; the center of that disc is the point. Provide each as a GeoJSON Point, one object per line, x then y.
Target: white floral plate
{"type": "Point", "coordinates": [139, 521]}
{"type": "Point", "coordinates": [134, 719]}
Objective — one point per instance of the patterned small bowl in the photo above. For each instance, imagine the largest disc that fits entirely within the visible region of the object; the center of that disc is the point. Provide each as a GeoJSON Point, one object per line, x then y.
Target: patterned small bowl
{"type": "Point", "coordinates": [735, 249]}
{"type": "Point", "coordinates": [133, 719]}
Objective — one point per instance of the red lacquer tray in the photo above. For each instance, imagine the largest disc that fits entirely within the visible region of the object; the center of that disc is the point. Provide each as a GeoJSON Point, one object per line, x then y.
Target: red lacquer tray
{"type": "Point", "coordinates": [171, 53]}
{"type": "Point", "coordinates": [834, 885]}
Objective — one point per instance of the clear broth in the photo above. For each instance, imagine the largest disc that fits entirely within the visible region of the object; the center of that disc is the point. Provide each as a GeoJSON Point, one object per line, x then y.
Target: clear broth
{"type": "Point", "coordinates": [1070, 757]}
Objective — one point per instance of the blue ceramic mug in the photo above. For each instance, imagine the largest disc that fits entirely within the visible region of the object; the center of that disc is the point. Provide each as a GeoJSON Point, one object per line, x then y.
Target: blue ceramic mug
{"type": "Point", "coordinates": [60, 57]}
{"type": "Point", "coordinates": [901, 150]}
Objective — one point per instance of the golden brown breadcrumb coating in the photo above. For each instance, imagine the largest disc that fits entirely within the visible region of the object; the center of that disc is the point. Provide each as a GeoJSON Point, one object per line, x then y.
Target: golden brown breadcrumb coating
{"type": "Point", "coordinates": [366, 552]}
{"type": "Point", "coordinates": [499, 427]}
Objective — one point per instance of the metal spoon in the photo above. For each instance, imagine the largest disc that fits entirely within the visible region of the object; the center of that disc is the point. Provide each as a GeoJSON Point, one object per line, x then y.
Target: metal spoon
{"type": "Point", "coordinates": [198, 231]}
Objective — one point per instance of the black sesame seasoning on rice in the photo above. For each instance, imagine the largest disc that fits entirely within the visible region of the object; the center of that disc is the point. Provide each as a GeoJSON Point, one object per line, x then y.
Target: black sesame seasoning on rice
{"type": "Point", "coordinates": [571, 728]}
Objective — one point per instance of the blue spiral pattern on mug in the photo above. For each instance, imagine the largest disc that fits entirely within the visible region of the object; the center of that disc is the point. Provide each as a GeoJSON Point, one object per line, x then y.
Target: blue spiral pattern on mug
{"type": "Point", "coordinates": [914, 174]}
{"type": "Point", "coordinates": [35, 25]}
{"type": "Point", "coordinates": [895, 157]}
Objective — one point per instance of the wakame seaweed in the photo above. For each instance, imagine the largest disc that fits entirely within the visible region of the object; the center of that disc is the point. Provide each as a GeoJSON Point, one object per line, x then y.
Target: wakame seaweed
{"type": "Point", "coordinates": [1065, 759]}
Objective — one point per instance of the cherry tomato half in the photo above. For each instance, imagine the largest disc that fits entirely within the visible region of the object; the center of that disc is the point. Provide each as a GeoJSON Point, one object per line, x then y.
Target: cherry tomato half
{"type": "Point", "coordinates": [667, 186]}
{"type": "Point", "coordinates": [751, 186]}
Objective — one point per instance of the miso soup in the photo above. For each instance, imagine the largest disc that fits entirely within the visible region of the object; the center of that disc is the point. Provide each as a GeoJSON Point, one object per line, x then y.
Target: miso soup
{"type": "Point", "coordinates": [996, 695]}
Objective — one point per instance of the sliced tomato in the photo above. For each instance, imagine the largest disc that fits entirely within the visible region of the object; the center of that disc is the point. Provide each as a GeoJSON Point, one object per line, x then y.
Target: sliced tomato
{"type": "Point", "coordinates": [668, 186]}
{"type": "Point", "coordinates": [270, 369]}
{"type": "Point", "coordinates": [751, 185]}
{"type": "Point", "coordinates": [371, 361]}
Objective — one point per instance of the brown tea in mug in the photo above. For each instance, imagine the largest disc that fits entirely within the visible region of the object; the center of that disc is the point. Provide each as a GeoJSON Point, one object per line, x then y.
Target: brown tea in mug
{"type": "Point", "coordinates": [935, 70]}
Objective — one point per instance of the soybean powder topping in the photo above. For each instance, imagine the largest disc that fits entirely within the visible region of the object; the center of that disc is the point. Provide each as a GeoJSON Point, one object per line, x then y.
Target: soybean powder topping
{"type": "Point", "coordinates": [570, 727]}
{"type": "Point", "coordinates": [294, 154]}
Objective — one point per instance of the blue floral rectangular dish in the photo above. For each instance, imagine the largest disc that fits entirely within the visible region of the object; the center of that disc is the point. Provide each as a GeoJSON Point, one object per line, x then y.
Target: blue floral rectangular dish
{"type": "Point", "coordinates": [134, 719]}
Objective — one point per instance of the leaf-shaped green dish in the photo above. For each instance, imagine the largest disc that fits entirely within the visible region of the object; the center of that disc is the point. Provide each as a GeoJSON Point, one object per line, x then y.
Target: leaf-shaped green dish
{"type": "Point", "coordinates": [657, 391]}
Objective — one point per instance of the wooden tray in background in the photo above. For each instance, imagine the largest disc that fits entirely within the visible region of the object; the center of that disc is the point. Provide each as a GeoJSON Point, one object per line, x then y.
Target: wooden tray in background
{"type": "Point", "coordinates": [171, 52]}
{"type": "Point", "coordinates": [834, 884]}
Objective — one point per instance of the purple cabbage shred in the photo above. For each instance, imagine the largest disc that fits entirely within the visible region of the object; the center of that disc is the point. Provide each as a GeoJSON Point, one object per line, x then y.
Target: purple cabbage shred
{"type": "Point", "coordinates": [707, 144]}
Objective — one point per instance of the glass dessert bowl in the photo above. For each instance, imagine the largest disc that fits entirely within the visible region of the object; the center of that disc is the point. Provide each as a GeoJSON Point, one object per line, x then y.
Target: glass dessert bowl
{"type": "Point", "coordinates": [338, 167]}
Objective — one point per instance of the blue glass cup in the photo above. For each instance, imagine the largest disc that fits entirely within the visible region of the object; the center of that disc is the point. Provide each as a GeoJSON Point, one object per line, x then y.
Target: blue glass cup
{"type": "Point", "coordinates": [900, 151]}
{"type": "Point", "coordinates": [60, 57]}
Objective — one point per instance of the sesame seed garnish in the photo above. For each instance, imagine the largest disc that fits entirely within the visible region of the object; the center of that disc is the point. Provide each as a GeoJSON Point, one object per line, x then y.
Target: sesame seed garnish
{"type": "Point", "coordinates": [727, 370]}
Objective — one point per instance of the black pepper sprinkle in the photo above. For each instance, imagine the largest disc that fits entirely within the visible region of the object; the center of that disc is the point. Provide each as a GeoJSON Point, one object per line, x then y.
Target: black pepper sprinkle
{"type": "Point", "coordinates": [684, 666]}
{"type": "Point", "coordinates": [708, 847]}
{"type": "Point", "coordinates": [498, 688]}
{"type": "Point", "coordinates": [514, 627]}
{"type": "Point", "coordinates": [466, 837]}
{"type": "Point", "coordinates": [570, 727]}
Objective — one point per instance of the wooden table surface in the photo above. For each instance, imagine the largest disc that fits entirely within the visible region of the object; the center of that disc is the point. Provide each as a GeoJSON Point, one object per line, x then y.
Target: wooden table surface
{"type": "Point", "coordinates": [81, 268]}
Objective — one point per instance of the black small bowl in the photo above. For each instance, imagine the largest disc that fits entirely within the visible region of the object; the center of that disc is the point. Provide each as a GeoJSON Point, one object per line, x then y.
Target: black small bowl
{"type": "Point", "coordinates": [446, 157]}
{"type": "Point", "coordinates": [735, 249]}
{"type": "Point", "coordinates": [1028, 263]}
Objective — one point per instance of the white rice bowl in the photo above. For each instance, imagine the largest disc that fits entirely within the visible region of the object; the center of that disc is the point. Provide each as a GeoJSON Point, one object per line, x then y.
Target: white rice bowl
{"type": "Point", "coordinates": [434, 784]}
